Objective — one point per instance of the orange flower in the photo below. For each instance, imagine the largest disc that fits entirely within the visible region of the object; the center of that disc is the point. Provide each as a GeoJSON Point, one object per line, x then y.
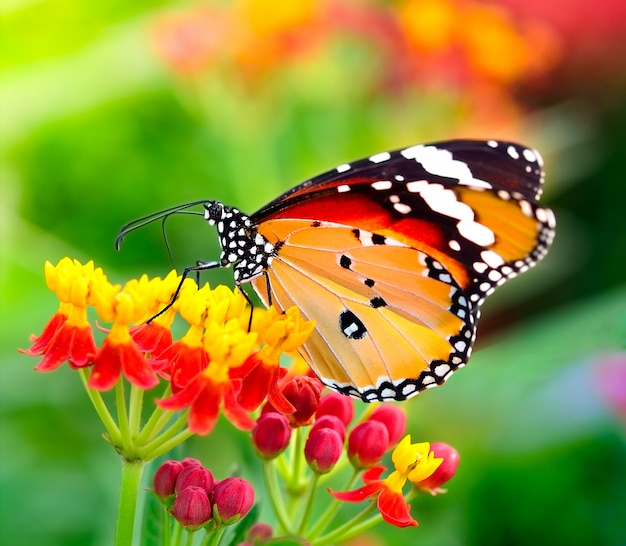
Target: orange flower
{"type": "Point", "coordinates": [68, 335]}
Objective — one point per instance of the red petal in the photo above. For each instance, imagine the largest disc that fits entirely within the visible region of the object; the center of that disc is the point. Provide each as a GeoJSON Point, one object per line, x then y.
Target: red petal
{"type": "Point", "coordinates": [40, 343]}
{"type": "Point", "coordinates": [252, 362]}
{"type": "Point", "coordinates": [205, 409]}
{"type": "Point", "coordinates": [151, 338]}
{"type": "Point", "coordinates": [360, 494]}
{"type": "Point", "coordinates": [185, 363]}
{"type": "Point", "coordinates": [68, 343]}
{"type": "Point", "coordinates": [276, 397]}
{"type": "Point", "coordinates": [394, 509]}
{"type": "Point", "coordinates": [183, 398]}
{"type": "Point", "coordinates": [372, 475]}
{"type": "Point", "coordinates": [83, 348]}
{"type": "Point", "coordinates": [107, 368]}
{"type": "Point", "coordinates": [136, 368]}
{"type": "Point", "coordinates": [255, 386]}
{"type": "Point", "coordinates": [234, 412]}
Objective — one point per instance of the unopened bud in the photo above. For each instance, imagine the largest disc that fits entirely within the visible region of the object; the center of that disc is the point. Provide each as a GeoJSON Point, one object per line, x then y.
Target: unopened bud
{"type": "Point", "coordinates": [323, 449]}
{"type": "Point", "coordinates": [232, 500]}
{"type": "Point", "coordinates": [367, 443]}
{"type": "Point", "coordinates": [192, 508]}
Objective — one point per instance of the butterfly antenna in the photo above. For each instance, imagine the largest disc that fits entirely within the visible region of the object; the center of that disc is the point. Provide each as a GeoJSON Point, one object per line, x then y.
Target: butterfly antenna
{"type": "Point", "coordinates": [149, 218]}
{"type": "Point", "coordinates": [167, 242]}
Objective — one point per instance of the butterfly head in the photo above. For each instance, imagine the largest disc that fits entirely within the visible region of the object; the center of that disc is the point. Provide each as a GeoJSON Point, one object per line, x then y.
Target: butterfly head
{"type": "Point", "coordinates": [241, 244]}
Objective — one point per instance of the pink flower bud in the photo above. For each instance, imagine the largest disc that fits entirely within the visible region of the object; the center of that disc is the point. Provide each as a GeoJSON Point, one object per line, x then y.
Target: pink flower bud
{"type": "Point", "coordinates": [260, 533]}
{"type": "Point", "coordinates": [304, 394]}
{"type": "Point", "coordinates": [164, 481]}
{"type": "Point", "coordinates": [367, 444]}
{"type": "Point", "coordinates": [271, 435]}
{"type": "Point", "coordinates": [197, 476]}
{"type": "Point", "coordinates": [393, 418]}
{"type": "Point", "coordinates": [323, 449]}
{"type": "Point", "coordinates": [446, 469]}
{"type": "Point", "coordinates": [192, 508]}
{"type": "Point", "coordinates": [190, 461]}
{"type": "Point", "coordinates": [232, 500]}
{"type": "Point", "coordinates": [338, 405]}
{"type": "Point", "coordinates": [330, 421]}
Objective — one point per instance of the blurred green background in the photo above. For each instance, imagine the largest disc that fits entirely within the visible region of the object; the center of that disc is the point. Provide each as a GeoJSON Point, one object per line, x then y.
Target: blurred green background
{"type": "Point", "coordinates": [112, 110]}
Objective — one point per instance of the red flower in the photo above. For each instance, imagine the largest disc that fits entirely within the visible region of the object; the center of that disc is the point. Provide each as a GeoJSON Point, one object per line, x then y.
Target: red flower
{"type": "Point", "coordinates": [259, 380]}
{"type": "Point", "coordinates": [70, 342]}
{"type": "Point", "coordinates": [151, 338]}
{"type": "Point", "coordinates": [304, 394]}
{"type": "Point", "coordinates": [113, 359]}
{"type": "Point", "coordinates": [391, 503]}
{"type": "Point", "coordinates": [41, 342]}
{"type": "Point", "coordinates": [182, 362]}
{"type": "Point", "coordinates": [204, 395]}
{"type": "Point", "coordinates": [413, 462]}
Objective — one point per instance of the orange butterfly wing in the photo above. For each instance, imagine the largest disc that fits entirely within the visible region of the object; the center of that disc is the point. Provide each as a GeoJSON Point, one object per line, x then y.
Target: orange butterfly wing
{"type": "Point", "coordinates": [390, 321]}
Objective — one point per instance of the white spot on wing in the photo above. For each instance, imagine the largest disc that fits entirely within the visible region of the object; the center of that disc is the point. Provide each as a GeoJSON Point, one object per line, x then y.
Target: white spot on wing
{"type": "Point", "coordinates": [530, 156]}
{"type": "Point", "coordinates": [491, 258]}
{"type": "Point", "coordinates": [416, 186]}
{"type": "Point", "coordinates": [402, 208]}
{"type": "Point", "coordinates": [382, 185]}
{"type": "Point", "coordinates": [343, 188]}
{"type": "Point", "coordinates": [343, 167]}
{"type": "Point", "coordinates": [476, 233]}
{"type": "Point", "coordinates": [440, 162]}
{"type": "Point", "coordinates": [512, 152]}
{"type": "Point", "coordinates": [379, 158]}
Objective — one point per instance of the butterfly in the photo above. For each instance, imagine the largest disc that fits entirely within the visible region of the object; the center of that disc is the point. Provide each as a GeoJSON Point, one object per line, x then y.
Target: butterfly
{"type": "Point", "coordinates": [391, 256]}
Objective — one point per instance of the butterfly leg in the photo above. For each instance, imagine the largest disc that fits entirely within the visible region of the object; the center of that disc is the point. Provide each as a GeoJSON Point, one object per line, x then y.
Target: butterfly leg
{"type": "Point", "coordinates": [200, 266]}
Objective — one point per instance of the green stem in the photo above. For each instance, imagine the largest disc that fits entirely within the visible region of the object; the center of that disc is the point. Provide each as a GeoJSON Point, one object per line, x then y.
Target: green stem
{"type": "Point", "coordinates": [298, 461]}
{"type": "Point", "coordinates": [190, 535]}
{"type": "Point", "coordinates": [276, 499]}
{"type": "Point", "coordinates": [167, 528]}
{"type": "Point", "coordinates": [215, 537]}
{"type": "Point", "coordinates": [170, 444]}
{"type": "Point", "coordinates": [308, 509]}
{"type": "Point", "coordinates": [329, 513]}
{"type": "Point", "coordinates": [134, 412]}
{"type": "Point", "coordinates": [351, 528]}
{"type": "Point", "coordinates": [129, 492]}
{"type": "Point", "coordinates": [155, 423]}
{"type": "Point", "coordinates": [171, 437]}
{"type": "Point", "coordinates": [122, 416]}
{"type": "Point", "coordinates": [101, 409]}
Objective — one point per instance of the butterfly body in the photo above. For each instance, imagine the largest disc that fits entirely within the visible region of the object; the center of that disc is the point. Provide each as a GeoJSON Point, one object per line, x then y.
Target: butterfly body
{"type": "Point", "coordinates": [392, 256]}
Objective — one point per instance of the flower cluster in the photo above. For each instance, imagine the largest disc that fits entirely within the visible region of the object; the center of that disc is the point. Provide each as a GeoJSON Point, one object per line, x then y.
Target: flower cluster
{"type": "Point", "coordinates": [227, 360]}
{"type": "Point", "coordinates": [195, 499]}
{"type": "Point", "coordinates": [477, 51]}
{"type": "Point", "coordinates": [332, 440]}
